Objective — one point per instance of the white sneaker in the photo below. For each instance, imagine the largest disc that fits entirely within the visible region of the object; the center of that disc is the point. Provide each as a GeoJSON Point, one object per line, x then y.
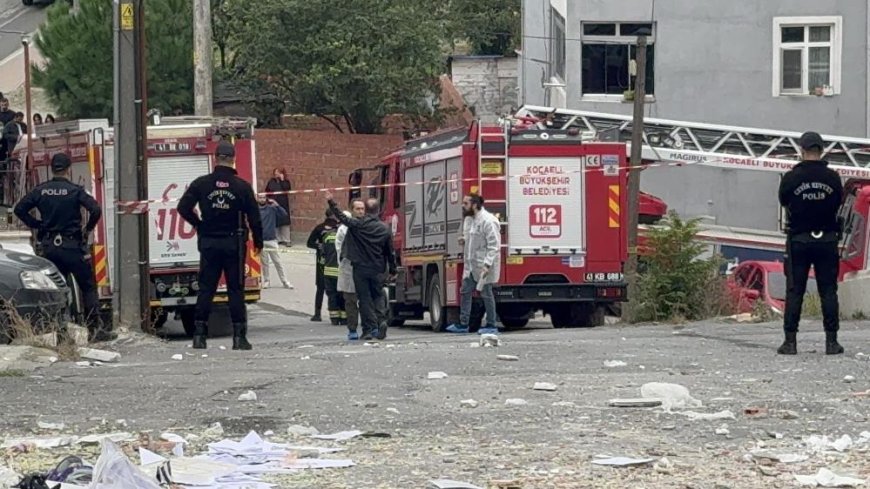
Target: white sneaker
{"type": "Point", "coordinates": [288, 285]}
{"type": "Point", "coordinates": [266, 285]}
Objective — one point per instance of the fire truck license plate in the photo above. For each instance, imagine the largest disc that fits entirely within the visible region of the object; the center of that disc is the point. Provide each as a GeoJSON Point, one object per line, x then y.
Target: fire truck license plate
{"type": "Point", "coordinates": [604, 277]}
{"type": "Point", "coordinates": [545, 221]}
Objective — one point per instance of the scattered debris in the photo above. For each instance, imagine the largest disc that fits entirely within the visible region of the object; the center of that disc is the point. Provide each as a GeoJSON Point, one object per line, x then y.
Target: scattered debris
{"type": "Point", "coordinates": [8, 477]}
{"type": "Point", "coordinates": [490, 340]}
{"type": "Point", "coordinates": [24, 358]}
{"type": "Point", "coordinates": [695, 416]}
{"type": "Point", "coordinates": [508, 358]}
{"type": "Point", "coordinates": [614, 363]}
{"type": "Point", "coordinates": [214, 430]}
{"type": "Point", "coordinates": [393, 410]}
{"type": "Point", "coordinates": [178, 356]}
{"type": "Point", "coordinates": [172, 437]}
{"type": "Point", "coordinates": [112, 437]}
{"type": "Point", "coordinates": [664, 466]}
{"type": "Point", "coordinates": [248, 396]}
{"type": "Point", "coordinates": [469, 403]}
{"type": "Point", "coordinates": [673, 396]}
{"type": "Point", "coordinates": [622, 461]}
{"type": "Point", "coordinates": [564, 404]}
{"type": "Point", "coordinates": [544, 386]}
{"type": "Point", "coordinates": [515, 402]}
{"type": "Point", "coordinates": [437, 375]}
{"type": "Point", "coordinates": [786, 414]}
{"type": "Point", "coordinates": [50, 426]}
{"type": "Point", "coordinates": [827, 478]}
{"type": "Point", "coordinates": [849, 379]}
{"type": "Point", "coordinates": [634, 403]}
{"type": "Point", "coordinates": [786, 458]}
{"type": "Point", "coordinates": [755, 412]}
{"type": "Point", "coordinates": [99, 355]}
{"type": "Point", "coordinates": [820, 444]}
{"type": "Point", "coordinates": [42, 443]}
{"type": "Point", "coordinates": [340, 436]}
{"type": "Point", "coordinates": [723, 430]}
{"type": "Point", "coordinates": [451, 484]}
{"type": "Point", "coordinates": [505, 484]}
{"type": "Point", "coordinates": [222, 347]}
{"type": "Point", "coordinates": [299, 430]}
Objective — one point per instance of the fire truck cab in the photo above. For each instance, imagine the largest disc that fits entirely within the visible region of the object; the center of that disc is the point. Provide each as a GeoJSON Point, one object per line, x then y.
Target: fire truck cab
{"type": "Point", "coordinates": [560, 202]}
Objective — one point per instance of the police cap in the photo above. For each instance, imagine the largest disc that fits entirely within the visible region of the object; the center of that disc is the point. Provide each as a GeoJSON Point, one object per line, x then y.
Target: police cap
{"type": "Point", "coordinates": [60, 162]}
{"type": "Point", "coordinates": [810, 140]}
{"type": "Point", "coordinates": [225, 149]}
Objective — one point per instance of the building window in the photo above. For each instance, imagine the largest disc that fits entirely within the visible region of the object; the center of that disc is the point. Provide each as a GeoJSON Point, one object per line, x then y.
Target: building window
{"type": "Point", "coordinates": [608, 50]}
{"type": "Point", "coordinates": [557, 50]}
{"type": "Point", "coordinates": [806, 55]}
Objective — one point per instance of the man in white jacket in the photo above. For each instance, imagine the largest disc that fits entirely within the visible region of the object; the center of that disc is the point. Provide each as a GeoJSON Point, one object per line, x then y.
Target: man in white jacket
{"type": "Point", "coordinates": [481, 240]}
{"type": "Point", "coordinates": [345, 274]}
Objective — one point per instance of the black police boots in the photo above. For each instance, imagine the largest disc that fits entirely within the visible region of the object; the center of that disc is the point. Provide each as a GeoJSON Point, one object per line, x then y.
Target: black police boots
{"type": "Point", "coordinates": [200, 332]}
{"type": "Point", "coordinates": [240, 340]}
{"type": "Point", "coordinates": [832, 347]}
{"type": "Point", "coordinates": [789, 347]}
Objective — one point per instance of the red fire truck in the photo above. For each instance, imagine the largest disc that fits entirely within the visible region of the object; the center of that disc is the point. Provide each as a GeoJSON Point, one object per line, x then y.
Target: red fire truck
{"type": "Point", "coordinates": [560, 201]}
{"type": "Point", "coordinates": [179, 150]}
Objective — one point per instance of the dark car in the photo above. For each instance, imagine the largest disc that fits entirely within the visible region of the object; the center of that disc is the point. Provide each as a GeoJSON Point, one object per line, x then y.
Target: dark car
{"type": "Point", "coordinates": [32, 289]}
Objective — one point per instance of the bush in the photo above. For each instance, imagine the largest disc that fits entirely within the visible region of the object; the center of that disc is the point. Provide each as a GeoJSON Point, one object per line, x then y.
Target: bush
{"type": "Point", "coordinates": [677, 281]}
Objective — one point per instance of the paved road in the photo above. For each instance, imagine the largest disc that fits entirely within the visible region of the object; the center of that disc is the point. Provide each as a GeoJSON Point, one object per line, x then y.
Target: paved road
{"type": "Point", "coordinates": [16, 17]}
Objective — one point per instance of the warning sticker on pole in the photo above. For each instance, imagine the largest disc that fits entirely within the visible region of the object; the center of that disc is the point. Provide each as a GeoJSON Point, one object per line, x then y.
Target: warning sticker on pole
{"type": "Point", "coordinates": [545, 204]}
{"type": "Point", "coordinates": [127, 16]}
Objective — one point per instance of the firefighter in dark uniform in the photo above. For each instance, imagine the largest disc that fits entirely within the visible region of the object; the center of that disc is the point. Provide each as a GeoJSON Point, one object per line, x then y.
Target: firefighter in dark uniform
{"type": "Point", "coordinates": [335, 299]}
{"type": "Point", "coordinates": [811, 193]}
{"type": "Point", "coordinates": [315, 243]}
{"type": "Point", "coordinates": [228, 207]}
{"type": "Point", "coordinates": [61, 239]}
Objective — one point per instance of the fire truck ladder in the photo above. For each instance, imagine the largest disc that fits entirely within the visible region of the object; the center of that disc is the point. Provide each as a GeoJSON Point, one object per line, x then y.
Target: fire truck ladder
{"type": "Point", "coordinates": [712, 144]}
{"type": "Point", "coordinates": [492, 150]}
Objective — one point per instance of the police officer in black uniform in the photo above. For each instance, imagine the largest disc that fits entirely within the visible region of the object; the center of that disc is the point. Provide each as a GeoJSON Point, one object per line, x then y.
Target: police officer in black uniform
{"type": "Point", "coordinates": [811, 193]}
{"type": "Point", "coordinates": [60, 237]}
{"type": "Point", "coordinates": [228, 208]}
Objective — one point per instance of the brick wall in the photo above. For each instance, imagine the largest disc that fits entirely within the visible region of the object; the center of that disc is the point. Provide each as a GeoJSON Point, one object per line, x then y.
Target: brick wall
{"type": "Point", "coordinates": [314, 160]}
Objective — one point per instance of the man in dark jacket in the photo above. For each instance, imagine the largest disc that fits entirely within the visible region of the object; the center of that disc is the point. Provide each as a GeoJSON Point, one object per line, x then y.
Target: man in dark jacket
{"type": "Point", "coordinates": [271, 213]}
{"type": "Point", "coordinates": [14, 131]}
{"type": "Point", "coordinates": [370, 250]}
{"type": "Point", "coordinates": [278, 187]}
{"type": "Point", "coordinates": [315, 242]}
{"type": "Point", "coordinates": [811, 193]}
{"type": "Point", "coordinates": [228, 207]}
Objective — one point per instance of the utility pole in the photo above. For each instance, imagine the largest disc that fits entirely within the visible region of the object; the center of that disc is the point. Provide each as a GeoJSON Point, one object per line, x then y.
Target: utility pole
{"type": "Point", "coordinates": [31, 129]}
{"type": "Point", "coordinates": [203, 57]}
{"type": "Point", "coordinates": [630, 312]}
{"type": "Point", "coordinates": [131, 238]}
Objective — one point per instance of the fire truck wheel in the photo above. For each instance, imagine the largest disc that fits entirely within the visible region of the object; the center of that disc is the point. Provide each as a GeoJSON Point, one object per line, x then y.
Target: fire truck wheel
{"type": "Point", "coordinates": [436, 305]}
{"type": "Point", "coordinates": [582, 315]}
{"type": "Point", "coordinates": [560, 317]}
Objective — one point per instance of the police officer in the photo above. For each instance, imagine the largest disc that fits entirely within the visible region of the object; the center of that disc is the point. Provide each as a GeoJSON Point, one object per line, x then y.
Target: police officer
{"type": "Point", "coordinates": [60, 237]}
{"type": "Point", "coordinates": [228, 207]}
{"type": "Point", "coordinates": [811, 193]}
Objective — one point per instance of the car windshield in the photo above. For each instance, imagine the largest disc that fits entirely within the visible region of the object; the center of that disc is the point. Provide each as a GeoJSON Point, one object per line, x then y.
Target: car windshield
{"type": "Point", "coordinates": [776, 283]}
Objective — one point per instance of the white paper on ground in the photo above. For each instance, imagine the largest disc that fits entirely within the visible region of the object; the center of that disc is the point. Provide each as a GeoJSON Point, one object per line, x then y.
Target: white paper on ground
{"type": "Point", "coordinates": [695, 416]}
{"type": "Point", "coordinates": [827, 478]}
{"type": "Point", "coordinates": [340, 436]}
{"type": "Point", "coordinates": [622, 461]}
{"type": "Point", "coordinates": [451, 484]}
{"type": "Point", "coordinates": [59, 441]}
{"type": "Point", "coordinates": [97, 439]}
{"type": "Point", "coordinates": [114, 470]}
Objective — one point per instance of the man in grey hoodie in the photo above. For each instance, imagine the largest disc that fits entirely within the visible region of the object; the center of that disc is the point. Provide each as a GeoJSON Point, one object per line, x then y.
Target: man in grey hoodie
{"type": "Point", "coordinates": [271, 213]}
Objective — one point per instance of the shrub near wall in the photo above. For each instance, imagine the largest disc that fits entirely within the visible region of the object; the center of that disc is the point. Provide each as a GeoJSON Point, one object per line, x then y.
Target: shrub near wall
{"type": "Point", "coordinates": [676, 283]}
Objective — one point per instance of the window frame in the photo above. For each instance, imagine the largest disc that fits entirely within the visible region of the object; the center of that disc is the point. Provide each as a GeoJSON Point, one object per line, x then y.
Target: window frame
{"type": "Point", "coordinates": [557, 47]}
{"type": "Point", "coordinates": [835, 22]}
{"type": "Point", "coordinates": [618, 38]}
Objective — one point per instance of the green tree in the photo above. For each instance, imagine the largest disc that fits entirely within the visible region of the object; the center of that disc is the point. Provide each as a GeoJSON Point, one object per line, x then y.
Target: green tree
{"type": "Point", "coordinates": [492, 27]}
{"type": "Point", "coordinates": [360, 60]}
{"type": "Point", "coordinates": [77, 48]}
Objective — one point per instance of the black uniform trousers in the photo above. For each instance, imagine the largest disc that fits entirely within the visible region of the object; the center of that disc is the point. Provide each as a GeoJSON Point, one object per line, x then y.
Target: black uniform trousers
{"type": "Point", "coordinates": [71, 259]}
{"type": "Point", "coordinates": [803, 252]}
{"type": "Point", "coordinates": [372, 301]}
{"type": "Point", "coordinates": [320, 283]}
{"type": "Point", "coordinates": [335, 304]}
{"type": "Point", "coordinates": [217, 256]}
